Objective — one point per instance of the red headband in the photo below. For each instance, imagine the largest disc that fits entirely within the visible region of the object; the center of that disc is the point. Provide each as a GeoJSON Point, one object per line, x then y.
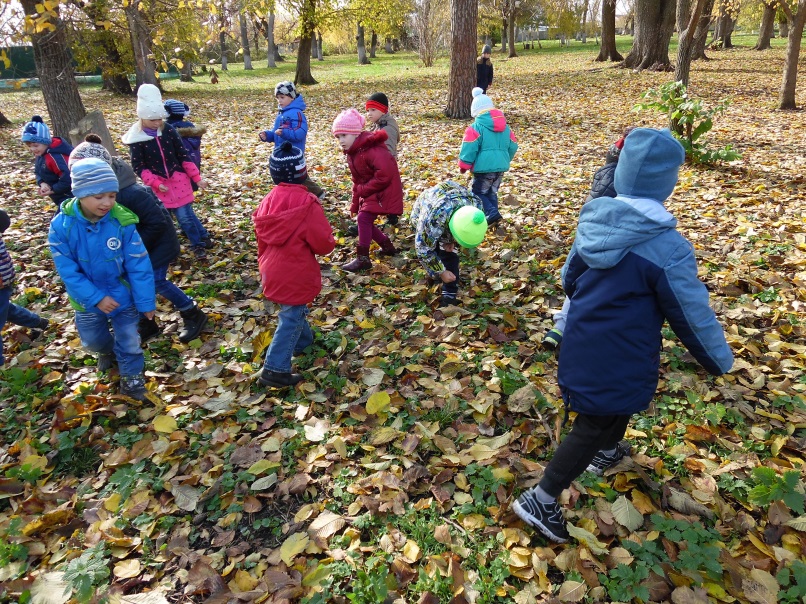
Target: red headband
{"type": "Point", "coordinates": [376, 105]}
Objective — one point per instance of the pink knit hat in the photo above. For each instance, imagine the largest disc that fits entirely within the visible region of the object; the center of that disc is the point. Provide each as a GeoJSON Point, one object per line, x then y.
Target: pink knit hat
{"type": "Point", "coordinates": [348, 121]}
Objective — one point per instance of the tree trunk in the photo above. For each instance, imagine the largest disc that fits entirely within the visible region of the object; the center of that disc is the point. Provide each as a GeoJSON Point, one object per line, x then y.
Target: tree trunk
{"type": "Point", "coordinates": [145, 69]}
{"type": "Point", "coordinates": [796, 22]}
{"type": "Point", "coordinates": [247, 51]}
{"type": "Point", "coordinates": [303, 73]}
{"type": "Point", "coordinates": [387, 48]}
{"type": "Point", "coordinates": [504, 29]}
{"type": "Point", "coordinates": [112, 65]}
{"type": "Point", "coordinates": [654, 24]}
{"type": "Point", "coordinates": [4, 121]}
{"type": "Point", "coordinates": [271, 49]}
{"type": "Point", "coordinates": [462, 77]}
{"type": "Point", "coordinates": [701, 35]}
{"type": "Point", "coordinates": [373, 45]}
{"type": "Point", "coordinates": [222, 39]}
{"type": "Point", "coordinates": [687, 21]}
{"type": "Point", "coordinates": [608, 51]}
{"type": "Point", "coordinates": [585, 21]}
{"type": "Point", "coordinates": [362, 47]}
{"type": "Point", "coordinates": [765, 31]}
{"type": "Point", "coordinates": [319, 55]}
{"type": "Point", "coordinates": [724, 28]}
{"type": "Point", "coordinates": [783, 27]}
{"type": "Point", "coordinates": [511, 34]}
{"type": "Point", "coordinates": [186, 71]}
{"type": "Point", "coordinates": [55, 70]}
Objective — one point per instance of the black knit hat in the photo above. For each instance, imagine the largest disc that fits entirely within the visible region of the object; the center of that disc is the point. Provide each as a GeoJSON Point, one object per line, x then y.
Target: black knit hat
{"type": "Point", "coordinates": [378, 101]}
{"type": "Point", "coordinates": [5, 221]}
{"type": "Point", "coordinates": [287, 164]}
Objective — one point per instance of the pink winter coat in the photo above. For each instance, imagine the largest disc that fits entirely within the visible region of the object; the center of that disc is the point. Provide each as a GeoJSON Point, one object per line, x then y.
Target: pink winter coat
{"type": "Point", "coordinates": [376, 178]}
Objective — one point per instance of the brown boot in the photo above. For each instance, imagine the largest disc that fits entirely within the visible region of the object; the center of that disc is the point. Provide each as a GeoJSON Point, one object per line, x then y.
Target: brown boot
{"type": "Point", "coordinates": [362, 261]}
{"type": "Point", "coordinates": [388, 248]}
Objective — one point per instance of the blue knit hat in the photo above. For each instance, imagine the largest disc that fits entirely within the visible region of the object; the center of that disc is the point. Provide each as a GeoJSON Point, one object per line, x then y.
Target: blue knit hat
{"type": "Point", "coordinates": [648, 164]}
{"type": "Point", "coordinates": [92, 176]}
{"type": "Point", "coordinates": [481, 102]}
{"type": "Point", "coordinates": [36, 131]}
{"type": "Point", "coordinates": [178, 108]}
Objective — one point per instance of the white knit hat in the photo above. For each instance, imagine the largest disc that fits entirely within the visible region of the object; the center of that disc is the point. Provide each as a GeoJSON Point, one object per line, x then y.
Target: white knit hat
{"type": "Point", "coordinates": [481, 102]}
{"type": "Point", "coordinates": [149, 103]}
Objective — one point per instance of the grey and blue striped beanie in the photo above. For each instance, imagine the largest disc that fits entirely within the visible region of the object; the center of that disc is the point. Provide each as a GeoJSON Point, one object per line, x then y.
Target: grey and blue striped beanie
{"type": "Point", "coordinates": [92, 176]}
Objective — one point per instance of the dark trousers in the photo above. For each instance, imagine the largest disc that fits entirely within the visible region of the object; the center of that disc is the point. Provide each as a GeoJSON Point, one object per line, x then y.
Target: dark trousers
{"type": "Point", "coordinates": [589, 435]}
{"type": "Point", "coordinates": [451, 262]}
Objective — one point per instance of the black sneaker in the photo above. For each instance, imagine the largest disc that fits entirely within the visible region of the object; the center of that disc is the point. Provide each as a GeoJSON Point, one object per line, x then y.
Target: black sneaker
{"type": "Point", "coordinates": [200, 252]}
{"type": "Point", "coordinates": [546, 517]}
{"type": "Point", "coordinates": [147, 328]}
{"type": "Point", "coordinates": [207, 244]}
{"type": "Point", "coordinates": [275, 379]}
{"type": "Point", "coordinates": [352, 230]}
{"type": "Point", "coordinates": [133, 386]}
{"type": "Point", "coordinates": [552, 339]}
{"type": "Point", "coordinates": [447, 301]}
{"type": "Point", "coordinates": [105, 361]}
{"type": "Point", "coordinates": [602, 461]}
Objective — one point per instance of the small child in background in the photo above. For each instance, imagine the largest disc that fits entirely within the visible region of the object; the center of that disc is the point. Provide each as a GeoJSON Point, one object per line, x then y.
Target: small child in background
{"type": "Point", "coordinates": [104, 265]}
{"type": "Point", "coordinates": [379, 118]}
{"type": "Point", "coordinates": [160, 159]}
{"type": "Point", "coordinates": [291, 230]}
{"type": "Point", "coordinates": [156, 229]}
{"type": "Point", "coordinates": [484, 69]}
{"type": "Point", "coordinates": [376, 184]}
{"type": "Point", "coordinates": [190, 133]}
{"type": "Point", "coordinates": [10, 312]}
{"type": "Point", "coordinates": [487, 150]}
{"type": "Point", "coordinates": [51, 152]}
{"type": "Point", "coordinates": [628, 271]}
{"type": "Point", "coordinates": [601, 186]}
{"type": "Point", "coordinates": [291, 125]}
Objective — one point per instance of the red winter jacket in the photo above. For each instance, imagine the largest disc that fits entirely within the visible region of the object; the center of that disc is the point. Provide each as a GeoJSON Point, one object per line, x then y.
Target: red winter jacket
{"type": "Point", "coordinates": [291, 229]}
{"type": "Point", "coordinates": [376, 179]}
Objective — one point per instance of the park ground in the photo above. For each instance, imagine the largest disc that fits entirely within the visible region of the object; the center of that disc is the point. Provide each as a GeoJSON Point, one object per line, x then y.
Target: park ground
{"type": "Point", "coordinates": [391, 470]}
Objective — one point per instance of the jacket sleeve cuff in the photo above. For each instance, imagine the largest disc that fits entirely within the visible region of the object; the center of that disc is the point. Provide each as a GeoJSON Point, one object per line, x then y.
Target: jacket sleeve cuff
{"type": "Point", "coordinates": [463, 165]}
{"type": "Point", "coordinates": [192, 170]}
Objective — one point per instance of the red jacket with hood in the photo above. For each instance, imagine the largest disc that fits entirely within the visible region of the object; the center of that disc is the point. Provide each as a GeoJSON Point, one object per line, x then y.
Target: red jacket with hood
{"type": "Point", "coordinates": [376, 179]}
{"type": "Point", "coordinates": [291, 229]}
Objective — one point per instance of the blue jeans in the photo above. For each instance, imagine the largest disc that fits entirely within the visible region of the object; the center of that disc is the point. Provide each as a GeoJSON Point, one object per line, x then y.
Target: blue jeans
{"type": "Point", "coordinates": [190, 224]}
{"type": "Point", "coordinates": [485, 187]}
{"type": "Point", "coordinates": [169, 291]}
{"type": "Point", "coordinates": [93, 329]}
{"type": "Point", "coordinates": [293, 335]}
{"type": "Point", "coordinates": [11, 313]}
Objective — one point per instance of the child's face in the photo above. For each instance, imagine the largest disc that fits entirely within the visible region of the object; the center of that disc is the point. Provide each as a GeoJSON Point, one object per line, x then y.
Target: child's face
{"type": "Point", "coordinates": [36, 148]}
{"type": "Point", "coordinates": [346, 140]}
{"type": "Point", "coordinates": [153, 124]}
{"type": "Point", "coordinates": [373, 115]}
{"type": "Point", "coordinates": [97, 206]}
{"type": "Point", "coordinates": [283, 100]}
{"type": "Point", "coordinates": [486, 55]}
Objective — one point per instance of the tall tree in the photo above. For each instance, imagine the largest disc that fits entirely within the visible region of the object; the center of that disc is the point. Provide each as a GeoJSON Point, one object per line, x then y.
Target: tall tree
{"type": "Point", "coordinates": [726, 22]}
{"type": "Point", "coordinates": [247, 52]}
{"type": "Point", "coordinates": [4, 121]}
{"type": "Point", "coordinates": [307, 34]}
{"type": "Point", "coordinates": [54, 66]}
{"type": "Point", "coordinates": [654, 24]}
{"type": "Point", "coordinates": [222, 35]}
{"type": "Point", "coordinates": [145, 70]}
{"type": "Point", "coordinates": [102, 43]}
{"type": "Point", "coordinates": [688, 16]}
{"type": "Point", "coordinates": [765, 30]}
{"type": "Point", "coordinates": [462, 75]}
{"type": "Point", "coordinates": [796, 21]}
{"type": "Point", "coordinates": [608, 51]}
{"type": "Point", "coordinates": [362, 44]}
{"type": "Point", "coordinates": [701, 35]}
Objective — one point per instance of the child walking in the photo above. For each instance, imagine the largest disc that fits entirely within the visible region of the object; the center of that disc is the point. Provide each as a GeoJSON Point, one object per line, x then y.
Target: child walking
{"type": "Point", "coordinates": [484, 69]}
{"type": "Point", "coordinates": [10, 312]}
{"type": "Point", "coordinates": [376, 184]}
{"type": "Point", "coordinates": [106, 271]}
{"type": "Point", "coordinates": [443, 217]}
{"type": "Point", "coordinates": [379, 118]}
{"type": "Point", "coordinates": [622, 293]}
{"type": "Point", "coordinates": [159, 158]}
{"type": "Point", "coordinates": [487, 150]}
{"type": "Point", "coordinates": [291, 230]}
{"type": "Point", "coordinates": [191, 134]}
{"type": "Point", "coordinates": [156, 229]}
{"type": "Point", "coordinates": [51, 152]}
{"type": "Point", "coordinates": [291, 125]}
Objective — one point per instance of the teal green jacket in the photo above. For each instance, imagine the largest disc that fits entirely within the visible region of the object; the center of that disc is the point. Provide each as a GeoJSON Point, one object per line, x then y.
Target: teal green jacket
{"type": "Point", "coordinates": [489, 144]}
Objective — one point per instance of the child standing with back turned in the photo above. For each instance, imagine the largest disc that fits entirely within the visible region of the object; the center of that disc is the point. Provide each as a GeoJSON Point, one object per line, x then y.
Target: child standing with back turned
{"type": "Point", "coordinates": [628, 271]}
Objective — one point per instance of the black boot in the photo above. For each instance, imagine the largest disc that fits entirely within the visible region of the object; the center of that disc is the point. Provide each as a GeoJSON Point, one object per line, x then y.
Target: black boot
{"type": "Point", "coordinates": [147, 328]}
{"type": "Point", "coordinates": [195, 321]}
{"type": "Point", "coordinates": [276, 379]}
{"type": "Point", "coordinates": [133, 386]}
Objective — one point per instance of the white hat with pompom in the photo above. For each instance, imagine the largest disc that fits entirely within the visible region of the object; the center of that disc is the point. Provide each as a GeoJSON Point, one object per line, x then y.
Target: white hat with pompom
{"type": "Point", "coordinates": [481, 103]}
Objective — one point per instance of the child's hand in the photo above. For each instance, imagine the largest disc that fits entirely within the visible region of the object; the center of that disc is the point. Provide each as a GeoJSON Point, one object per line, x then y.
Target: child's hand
{"type": "Point", "coordinates": [202, 184]}
{"type": "Point", "coordinates": [149, 315]}
{"type": "Point", "coordinates": [462, 170]}
{"type": "Point", "coordinates": [353, 215]}
{"type": "Point", "coordinates": [107, 305]}
{"type": "Point", "coordinates": [447, 276]}
{"type": "Point", "coordinates": [262, 136]}
{"type": "Point", "coordinates": [448, 247]}
{"type": "Point", "coordinates": [44, 189]}
{"type": "Point", "coordinates": [163, 188]}
{"type": "Point", "coordinates": [278, 132]}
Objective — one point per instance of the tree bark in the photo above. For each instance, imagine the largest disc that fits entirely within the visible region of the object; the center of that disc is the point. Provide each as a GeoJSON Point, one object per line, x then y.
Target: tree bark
{"type": "Point", "coordinates": [247, 51]}
{"type": "Point", "coordinates": [361, 43]}
{"type": "Point", "coordinates": [222, 40]}
{"type": "Point", "coordinates": [765, 31]}
{"type": "Point", "coordinates": [271, 49]}
{"type": "Point", "coordinates": [504, 29]}
{"type": "Point", "coordinates": [687, 21]}
{"type": "Point", "coordinates": [303, 73]}
{"type": "Point", "coordinates": [113, 68]}
{"type": "Point", "coordinates": [783, 26]}
{"type": "Point", "coordinates": [608, 51]}
{"type": "Point", "coordinates": [511, 34]}
{"type": "Point", "coordinates": [145, 69]}
{"type": "Point", "coordinates": [373, 45]}
{"type": "Point", "coordinates": [585, 21]}
{"type": "Point", "coordinates": [319, 54]}
{"type": "Point", "coordinates": [723, 30]}
{"type": "Point", "coordinates": [387, 48]}
{"type": "Point", "coordinates": [462, 76]}
{"type": "Point", "coordinates": [4, 121]}
{"type": "Point", "coordinates": [701, 35]}
{"type": "Point", "coordinates": [55, 70]}
{"type": "Point", "coordinates": [796, 22]}
{"type": "Point", "coordinates": [654, 24]}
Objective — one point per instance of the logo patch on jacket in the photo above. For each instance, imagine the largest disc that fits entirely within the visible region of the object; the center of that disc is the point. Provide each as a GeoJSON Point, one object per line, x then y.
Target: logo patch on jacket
{"type": "Point", "coordinates": [113, 243]}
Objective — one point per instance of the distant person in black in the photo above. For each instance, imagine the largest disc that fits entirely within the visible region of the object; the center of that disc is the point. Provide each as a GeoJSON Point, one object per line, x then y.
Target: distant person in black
{"type": "Point", "coordinates": [484, 69]}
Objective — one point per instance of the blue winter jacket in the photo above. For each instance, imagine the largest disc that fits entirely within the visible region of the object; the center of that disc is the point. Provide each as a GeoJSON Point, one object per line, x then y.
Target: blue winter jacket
{"type": "Point", "coordinates": [51, 168]}
{"type": "Point", "coordinates": [105, 258]}
{"type": "Point", "coordinates": [293, 123]}
{"type": "Point", "coordinates": [627, 272]}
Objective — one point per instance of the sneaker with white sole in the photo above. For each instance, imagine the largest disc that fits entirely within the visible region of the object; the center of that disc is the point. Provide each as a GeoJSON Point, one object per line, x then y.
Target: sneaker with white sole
{"type": "Point", "coordinates": [546, 517]}
{"type": "Point", "coordinates": [602, 461]}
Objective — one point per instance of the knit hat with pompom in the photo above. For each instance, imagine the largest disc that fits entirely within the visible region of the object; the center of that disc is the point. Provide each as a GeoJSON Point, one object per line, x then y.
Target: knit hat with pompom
{"type": "Point", "coordinates": [348, 121]}
{"type": "Point", "coordinates": [481, 103]}
{"type": "Point", "coordinates": [287, 164]}
{"type": "Point", "coordinates": [91, 147]}
{"type": "Point", "coordinates": [36, 131]}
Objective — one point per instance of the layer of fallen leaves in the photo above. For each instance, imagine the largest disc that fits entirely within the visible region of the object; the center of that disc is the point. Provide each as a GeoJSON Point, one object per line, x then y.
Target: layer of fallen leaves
{"type": "Point", "coordinates": [389, 472]}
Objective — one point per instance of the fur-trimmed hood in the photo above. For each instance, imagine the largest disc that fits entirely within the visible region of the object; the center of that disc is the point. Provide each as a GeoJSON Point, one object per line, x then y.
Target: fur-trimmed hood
{"type": "Point", "coordinates": [192, 131]}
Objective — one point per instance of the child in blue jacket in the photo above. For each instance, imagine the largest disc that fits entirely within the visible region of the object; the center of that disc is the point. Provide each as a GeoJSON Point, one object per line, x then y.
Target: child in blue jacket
{"type": "Point", "coordinates": [291, 125]}
{"type": "Point", "coordinates": [628, 271]}
{"type": "Point", "coordinates": [51, 152]}
{"type": "Point", "coordinates": [487, 149]}
{"type": "Point", "coordinates": [191, 134]}
{"type": "Point", "coordinates": [106, 271]}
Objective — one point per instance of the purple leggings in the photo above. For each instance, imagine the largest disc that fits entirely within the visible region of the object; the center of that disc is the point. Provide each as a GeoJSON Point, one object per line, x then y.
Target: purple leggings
{"type": "Point", "coordinates": [367, 231]}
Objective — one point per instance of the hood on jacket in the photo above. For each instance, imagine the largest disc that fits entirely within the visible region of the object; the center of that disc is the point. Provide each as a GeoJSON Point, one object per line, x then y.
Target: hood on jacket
{"type": "Point", "coordinates": [609, 227]}
{"type": "Point", "coordinates": [123, 215]}
{"type": "Point", "coordinates": [60, 146]}
{"type": "Point", "coordinates": [492, 120]}
{"type": "Point", "coordinates": [276, 227]}
{"type": "Point", "coordinates": [136, 134]}
{"type": "Point", "coordinates": [367, 139]}
{"type": "Point", "coordinates": [297, 104]}
{"type": "Point", "coordinates": [648, 164]}
{"type": "Point", "coordinates": [190, 131]}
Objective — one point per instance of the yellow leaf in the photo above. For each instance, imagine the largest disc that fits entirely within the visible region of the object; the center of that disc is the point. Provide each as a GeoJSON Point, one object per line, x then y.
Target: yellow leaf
{"type": "Point", "coordinates": [261, 466]}
{"type": "Point", "coordinates": [316, 575]}
{"type": "Point", "coordinates": [112, 502]}
{"type": "Point", "coordinates": [383, 435]}
{"type": "Point", "coordinates": [179, 64]}
{"type": "Point", "coordinates": [165, 424]}
{"type": "Point", "coordinates": [377, 402]}
{"type": "Point", "coordinates": [292, 546]}
{"type": "Point", "coordinates": [244, 581]}
{"type": "Point", "coordinates": [340, 446]}
{"type": "Point", "coordinates": [411, 551]}
{"type": "Point", "coordinates": [127, 569]}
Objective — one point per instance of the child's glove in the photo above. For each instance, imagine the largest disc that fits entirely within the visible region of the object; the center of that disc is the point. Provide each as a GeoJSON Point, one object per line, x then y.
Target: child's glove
{"type": "Point", "coordinates": [462, 170]}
